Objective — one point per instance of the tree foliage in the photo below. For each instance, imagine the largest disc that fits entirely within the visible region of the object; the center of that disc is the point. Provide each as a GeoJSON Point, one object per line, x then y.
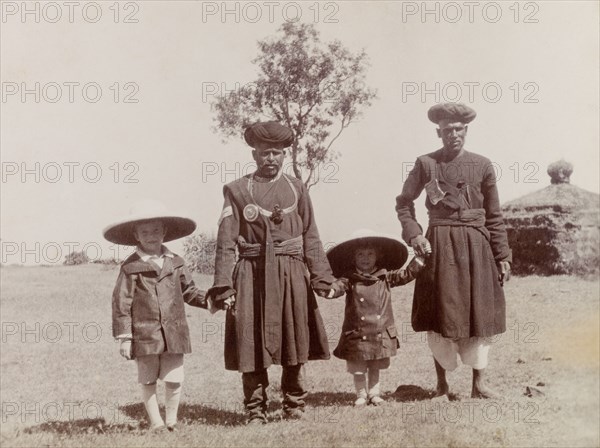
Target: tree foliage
{"type": "Point", "coordinates": [317, 89]}
{"type": "Point", "coordinates": [76, 258]}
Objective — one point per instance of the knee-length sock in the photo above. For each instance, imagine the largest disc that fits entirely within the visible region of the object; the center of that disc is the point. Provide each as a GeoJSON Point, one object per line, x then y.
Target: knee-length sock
{"type": "Point", "coordinates": [151, 405]}
{"type": "Point", "coordinates": [374, 390]}
{"type": "Point", "coordinates": [360, 384]}
{"type": "Point", "coordinates": [172, 397]}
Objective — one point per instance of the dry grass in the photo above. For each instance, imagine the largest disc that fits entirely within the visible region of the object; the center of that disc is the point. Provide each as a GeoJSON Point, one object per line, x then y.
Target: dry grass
{"type": "Point", "coordinates": [71, 388]}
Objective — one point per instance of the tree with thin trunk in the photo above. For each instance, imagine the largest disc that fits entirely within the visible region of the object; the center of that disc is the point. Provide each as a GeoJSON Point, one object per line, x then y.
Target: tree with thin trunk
{"type": "Point", "coordinates": [316, 89]}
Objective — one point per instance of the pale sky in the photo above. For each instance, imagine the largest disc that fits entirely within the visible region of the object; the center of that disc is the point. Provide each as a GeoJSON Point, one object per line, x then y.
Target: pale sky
{"type": "Point", "coordinates": [533, 84]}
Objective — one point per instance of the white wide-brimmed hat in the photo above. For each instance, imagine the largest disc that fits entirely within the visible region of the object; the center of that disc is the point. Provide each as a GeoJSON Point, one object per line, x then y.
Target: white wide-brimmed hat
{"type": "Point", "coordinates": [121, 232]}
{"type": "Point", "coordinates": [392, 254]}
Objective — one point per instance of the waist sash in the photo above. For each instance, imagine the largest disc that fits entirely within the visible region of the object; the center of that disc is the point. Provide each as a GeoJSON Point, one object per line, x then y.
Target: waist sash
{"type": "Point", "coordinates": [473, 217]}
{"type": "Point", "coordinates": [293, 246]}
{"type": "Point", "coordinates": [272, 331]}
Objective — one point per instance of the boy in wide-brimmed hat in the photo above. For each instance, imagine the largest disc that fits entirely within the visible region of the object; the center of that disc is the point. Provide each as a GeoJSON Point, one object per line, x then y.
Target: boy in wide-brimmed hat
{"type": "Point", "coordinates": [370, 265]}
{"type": "Point", "coordinates": [148, 303]}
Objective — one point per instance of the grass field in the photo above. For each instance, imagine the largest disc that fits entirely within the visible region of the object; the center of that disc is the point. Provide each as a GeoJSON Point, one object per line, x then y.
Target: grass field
{"type": "Point", "coordinates": [63, 382]}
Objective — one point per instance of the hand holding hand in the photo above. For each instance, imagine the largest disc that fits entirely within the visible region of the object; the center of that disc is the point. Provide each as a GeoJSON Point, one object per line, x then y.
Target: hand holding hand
{"type": "Point", "coordinates": [125, 348]}
{"type": "Point", "coordinates": [339, 288]}
{"type": "Point", "coordinates": [220, 298]}
{"type": "Point", "coordinates": [228, 302]}
{"type": "Point", "coordinates": [421, 246]}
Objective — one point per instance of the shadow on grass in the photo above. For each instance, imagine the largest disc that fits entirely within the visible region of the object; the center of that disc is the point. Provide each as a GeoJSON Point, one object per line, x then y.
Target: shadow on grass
{"type": "Point", "coordinates": [229, 413]}
{"type": "Point", "coordinates": [218, 413]}
{"type": "Point", "coordinates": [410, 392]}
{"type": "Point", "coordinates": [330, 399]}
{"type": "Point", "coordinates": [133, 419]}
{"type": "Point", "coordinates": [404, 393]}
{"type": "Point", "coordinates": [82, 426]}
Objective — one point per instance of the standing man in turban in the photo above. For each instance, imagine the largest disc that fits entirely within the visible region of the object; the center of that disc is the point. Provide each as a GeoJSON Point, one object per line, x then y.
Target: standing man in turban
{"type": "Point", "coordinates": [458, 299]}
{"type": "Point", "coordinates": [272, 314]}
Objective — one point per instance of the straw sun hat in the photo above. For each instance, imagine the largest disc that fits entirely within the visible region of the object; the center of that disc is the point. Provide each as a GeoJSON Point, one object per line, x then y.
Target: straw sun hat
{"type": "Point", "coordinates": [121, 232]}
{"type": "Point", "coordinates": [392, 254]}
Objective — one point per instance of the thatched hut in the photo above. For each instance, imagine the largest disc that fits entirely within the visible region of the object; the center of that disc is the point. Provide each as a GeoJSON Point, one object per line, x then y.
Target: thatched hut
{"type": "Point", "coordinates": [555, 230]}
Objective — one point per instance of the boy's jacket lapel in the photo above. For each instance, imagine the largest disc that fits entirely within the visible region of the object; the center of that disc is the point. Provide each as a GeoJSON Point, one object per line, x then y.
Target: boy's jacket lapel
{"type": "Point", "coordinates": [169, 266]}
{"type": "Point", "coordinates": [134, 265]}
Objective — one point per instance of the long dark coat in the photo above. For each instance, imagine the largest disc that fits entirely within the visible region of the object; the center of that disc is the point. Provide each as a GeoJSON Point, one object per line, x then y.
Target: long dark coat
{"type": "Point", "coordinates": [301, 334]}
{"type": "Point", "coordinates": [148, 302]}
{"type": "Point", "coordinates": [458, 294]}
{"type": "Point", "coordinates": [369, 331]}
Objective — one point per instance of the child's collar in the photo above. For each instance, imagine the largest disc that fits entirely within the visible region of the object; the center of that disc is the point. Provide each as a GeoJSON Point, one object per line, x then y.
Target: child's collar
{"type": "Point", "coordinates": [374, 276]}
{"type": "Point", "coordinates": [134, 264]}
{"type": "Point", "coordinates": [164, 252]}
{"type": "Point", "coordinates": [375, 269]}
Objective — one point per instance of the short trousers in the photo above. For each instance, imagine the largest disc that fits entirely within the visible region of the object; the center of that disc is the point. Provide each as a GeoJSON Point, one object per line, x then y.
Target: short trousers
{"type": "Point", "coordinates": [166, 366]}
{"type": "Point", "coordinates": [361, 366]}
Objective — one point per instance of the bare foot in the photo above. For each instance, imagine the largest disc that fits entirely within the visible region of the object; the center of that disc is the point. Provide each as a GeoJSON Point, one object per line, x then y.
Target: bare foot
{"type": "Point", "coordinates": [441, 389]}
{"type": "Point", "coordinates": [479, 389]}
{"type": "Point", "coordinates": [483, 391]}
{"type": "Point", "coordinates": [441, 393]}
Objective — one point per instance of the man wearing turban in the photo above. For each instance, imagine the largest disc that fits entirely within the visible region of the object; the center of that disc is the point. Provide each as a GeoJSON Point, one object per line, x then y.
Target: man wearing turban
{"type": "Point", "coordinates": [272, 314]}
{"type": "Point", "coordinates": [458, 298]}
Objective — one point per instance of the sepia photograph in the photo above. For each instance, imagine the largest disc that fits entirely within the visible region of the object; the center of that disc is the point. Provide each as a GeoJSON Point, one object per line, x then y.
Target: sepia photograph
{"type": "Point", "coordinates": [300, 223]}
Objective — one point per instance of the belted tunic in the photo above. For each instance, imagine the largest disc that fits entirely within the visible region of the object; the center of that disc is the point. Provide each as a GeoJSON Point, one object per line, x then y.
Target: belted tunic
{"type": "Point", "coordinates": [458, 294]}
{"type": "Point", "coordinates": [275, 319]}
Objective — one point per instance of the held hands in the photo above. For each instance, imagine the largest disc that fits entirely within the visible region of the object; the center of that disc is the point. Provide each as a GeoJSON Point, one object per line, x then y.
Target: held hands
{"type": "Point", "coordinates": [421, 246]}
{"type": "Point", "coordinates": [225, 304]}
{"type": "Point", "coordinates": [220, 298]}
{"type": "Point", "coordinates": [503, 271]}
{"type": "Point", "coordinates": [125, 349]}
{"type": "Point", "coordinates": [228, 303]}
{"type": "Point", "coordinates": [338, 289]}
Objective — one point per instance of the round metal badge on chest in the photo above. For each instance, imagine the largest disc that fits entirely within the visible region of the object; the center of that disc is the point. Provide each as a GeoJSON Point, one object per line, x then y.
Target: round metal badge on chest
{"type": "Point", "coordinates": [251, 212]}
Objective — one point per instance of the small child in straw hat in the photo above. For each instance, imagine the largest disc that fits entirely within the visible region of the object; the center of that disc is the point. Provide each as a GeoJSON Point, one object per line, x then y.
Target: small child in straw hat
{"type": "Point", "coordinates": [369, 265]}
{"type": "Point", "coordinates": [148, 303]}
